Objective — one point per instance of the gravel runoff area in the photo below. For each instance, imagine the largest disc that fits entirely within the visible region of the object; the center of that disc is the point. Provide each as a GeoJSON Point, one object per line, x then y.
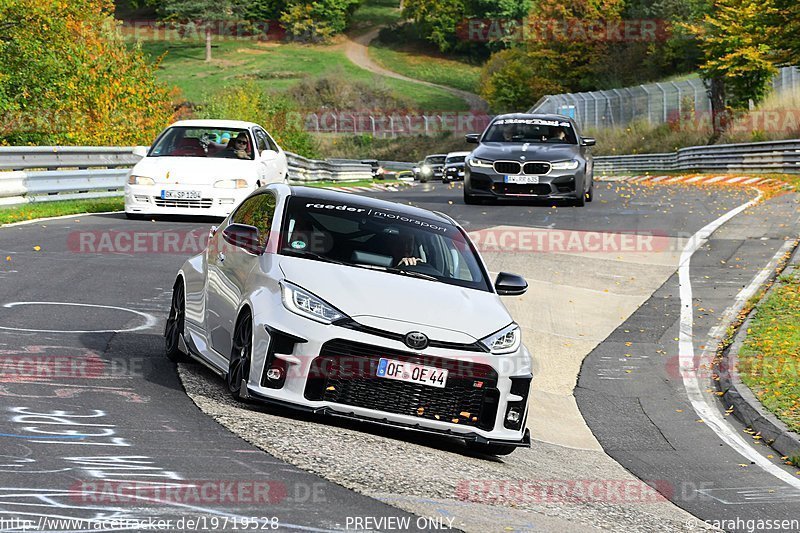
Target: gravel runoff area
{"type": "Point", "coordinates": [422, 475]}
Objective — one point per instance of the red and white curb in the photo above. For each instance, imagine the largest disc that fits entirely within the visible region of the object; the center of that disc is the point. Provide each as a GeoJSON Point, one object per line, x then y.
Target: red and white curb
{"type": "Point", "coordinates": [709, 179]}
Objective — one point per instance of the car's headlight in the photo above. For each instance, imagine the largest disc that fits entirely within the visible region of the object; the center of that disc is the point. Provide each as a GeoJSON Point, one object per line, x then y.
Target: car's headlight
{"type": "Point", "coordinates": [475, 162]}
{"type": "Point", "coordinates": [303, 303]}
{"type": "Point", "coordinates": [507, 340]}
{"type": "Point", "coordinates": [140, 180]}
{"type": "Point", "coordinates": [565, 165]}
{"type": "Point", "coordinates": [426, 169]}
{"type": "Point", "coordinates": [230, 184]}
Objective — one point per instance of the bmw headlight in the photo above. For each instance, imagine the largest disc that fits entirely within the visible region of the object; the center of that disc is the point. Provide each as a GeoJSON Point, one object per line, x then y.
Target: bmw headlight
{"type": "Point", "coordinates": [303, 303]}
{"type": "Point", "coordinates": [140, 180]}
{"type": "Point", "coordinates": [565, 165]}
{"type": "Point", "coordinates": [230, 184]}
{"type": "Point", "coordinates": [507, 340]}
{"type": "Point", "coordinates": [476, 162]}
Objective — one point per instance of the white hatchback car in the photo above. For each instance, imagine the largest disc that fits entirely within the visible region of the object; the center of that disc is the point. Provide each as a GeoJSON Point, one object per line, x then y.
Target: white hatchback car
{"type": "Point", "coordinates": [196, 167]}
{"type": "Point", "coordinates": [351, 306]}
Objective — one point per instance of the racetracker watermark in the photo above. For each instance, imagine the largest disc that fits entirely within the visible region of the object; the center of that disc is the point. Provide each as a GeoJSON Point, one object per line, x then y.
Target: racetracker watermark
{"type": "Point", "coordinates": [196, 30]}
{"type": "Point", "coordinates": [526, 491]}
{"type": "Point", "coordinates": [564, 30]}
{"type": "Point", "coordinates": [774, 121]}
{"type": "Point", "coordinates": [541, 240]}
{"type": "Point", "coordinates": [194, 492]}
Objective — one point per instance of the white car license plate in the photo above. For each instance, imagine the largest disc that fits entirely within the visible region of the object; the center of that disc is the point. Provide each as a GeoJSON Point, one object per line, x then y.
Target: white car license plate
{"type": "Point", "coordinates": [181, 195]}
{"type": "Point", "coordinates": [413, 373]}
{"type": "Point", "coordinates": [524, 180]}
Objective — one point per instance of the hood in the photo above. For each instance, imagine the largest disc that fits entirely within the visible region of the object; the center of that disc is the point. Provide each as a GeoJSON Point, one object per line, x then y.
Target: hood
{"type": "Point", "coordinates": [532, 152]}
{"type": "Point", "coordinates": [401, 304]}
{"type": "Point", "coordinates": [194, 170]}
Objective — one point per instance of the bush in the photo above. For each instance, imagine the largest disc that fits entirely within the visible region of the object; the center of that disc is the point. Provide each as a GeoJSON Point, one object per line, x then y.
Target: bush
{"type": "Point", "coordinates": [337, 92]}
{"type": "Point", "coordinates": [67, 77]}
{"type": "Point", "coordinates": [317, 20]}
{"type": "Point", "coordinates": [246, 101]}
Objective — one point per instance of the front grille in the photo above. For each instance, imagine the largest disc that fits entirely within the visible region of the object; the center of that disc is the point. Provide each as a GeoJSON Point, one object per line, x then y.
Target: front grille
{"type": "Point", "coordinates": [203, 203]}
{"type": "Point", "coordinates": [346, 373]}
{"type": "Point", "coordinates": [536, 168]}
{"type": "Point", "coordinates": [541, 189]}
{"type": "Point", "coordinates": [507, 167]}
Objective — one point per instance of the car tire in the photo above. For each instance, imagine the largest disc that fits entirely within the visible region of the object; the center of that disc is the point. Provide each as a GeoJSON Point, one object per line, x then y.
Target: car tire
{"type": "Point", "coordinates": [590, 194]}
{"type": "Point", "coordinates": [423, 179]}
{"type": "Point", "coordinates": [175, 325]}
{"type": "Point", "coordinates": [470, 199]}
{"type": "Point", "coordinates": [134, 216]}
{"type": "Point", "coordinates": [580, 200]}
{"type": "Point", "coordinates": [241, 351]}
{"type": "Point", "coordinates": [490, 449]}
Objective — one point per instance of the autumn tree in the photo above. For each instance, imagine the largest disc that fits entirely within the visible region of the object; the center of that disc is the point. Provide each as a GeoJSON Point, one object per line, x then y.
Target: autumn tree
{"type": "Point", "coordinates": [205, 14]}
{"type": "Point", "coordinates": [67, 77]}
{"type": "Point", "coordinates": [738, 40]}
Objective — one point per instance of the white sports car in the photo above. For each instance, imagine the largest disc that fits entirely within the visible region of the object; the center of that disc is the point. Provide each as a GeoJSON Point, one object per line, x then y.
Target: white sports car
{"type": "Point", "coordinates": [351, 306]}
{"type": "Point", "coordinates": [197, 167]}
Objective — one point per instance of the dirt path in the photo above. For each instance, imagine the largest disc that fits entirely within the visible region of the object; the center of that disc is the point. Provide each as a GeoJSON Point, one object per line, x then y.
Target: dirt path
{"type": "Point", "coordinates": [357, 51]}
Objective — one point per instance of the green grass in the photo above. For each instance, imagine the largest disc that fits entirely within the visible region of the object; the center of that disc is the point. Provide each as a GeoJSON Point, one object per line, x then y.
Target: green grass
{"type": "Point", "coordinates": [769, 362]}
{"type": "Point", "coordinates": [373, 13]}
{"type": "Point", "coordinates": [424, 66]}
{"type": "Point", "coordinates": [274, 67]}
{"type": "Point", "coordinates": [33, 211]}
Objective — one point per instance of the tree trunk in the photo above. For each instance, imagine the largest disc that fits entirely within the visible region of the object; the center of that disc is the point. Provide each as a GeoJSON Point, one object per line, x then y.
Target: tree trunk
{"type": "Point", "coordinates": [208, 43]}
{"type": "Point", "coordinates": [720, 115]}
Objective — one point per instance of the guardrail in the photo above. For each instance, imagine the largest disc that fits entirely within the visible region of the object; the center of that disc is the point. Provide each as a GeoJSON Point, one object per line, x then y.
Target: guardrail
{"type": "Point", "coordinates": [45, 173]}
{"type": "Point", "coordinates": [772, 156]}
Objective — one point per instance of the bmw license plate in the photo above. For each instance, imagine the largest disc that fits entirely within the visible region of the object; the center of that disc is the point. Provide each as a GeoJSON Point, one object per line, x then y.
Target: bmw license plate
{"type": "Point", "coordinates": [181, 195]}
{"type": "Point", "coordinates": [412, 373]}
{"type": "Point", "coordinates": [524, 180]}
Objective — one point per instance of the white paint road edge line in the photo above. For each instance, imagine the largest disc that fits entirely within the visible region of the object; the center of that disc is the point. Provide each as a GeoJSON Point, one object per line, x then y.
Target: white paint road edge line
{"type": "Point", "coordinates": [708, 413]}
{"type": "Point", "coordinates": [60, 217]}
{"type": "Point", "coordinates": [149, 320]}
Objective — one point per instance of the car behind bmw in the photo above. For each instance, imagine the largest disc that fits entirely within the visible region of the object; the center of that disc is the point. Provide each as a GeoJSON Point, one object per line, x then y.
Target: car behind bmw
{"type": "Point", "coordinates": [529, 156]}
{"type": "Point", "coordinates": [350, 306]}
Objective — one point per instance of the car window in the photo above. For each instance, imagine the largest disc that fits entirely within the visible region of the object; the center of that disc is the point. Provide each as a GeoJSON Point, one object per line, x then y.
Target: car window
{"type": "Point", "coordinates": [195, 141]}
{"type": "Point", "coordinates": [257, 211]}
{"type": "Point", "coordinates": [523, 130]}
{"type": "Point", "coordinates": [367, 237]}
{"type": "Point", "coordinates": [268, 141]}
{"type": "Point", "coordinates": [261, 140]}
{"type": "Point", "coordinates": [438, 160]}
{"type": "Point", "coordinates": [455, 159]}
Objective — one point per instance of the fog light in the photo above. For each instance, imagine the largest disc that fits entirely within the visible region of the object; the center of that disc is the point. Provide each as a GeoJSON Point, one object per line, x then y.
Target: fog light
{"type": "Point", "coordinates": [514, 414]}
{"type": "Point", "coordinates": [274, 374]}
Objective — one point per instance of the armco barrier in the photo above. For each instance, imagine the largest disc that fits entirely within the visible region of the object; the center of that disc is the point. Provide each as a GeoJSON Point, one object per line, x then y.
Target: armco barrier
{"type": "Point", "coordinates": [43, 173]}
{"type": "Point", "coordinates": [772, 156]}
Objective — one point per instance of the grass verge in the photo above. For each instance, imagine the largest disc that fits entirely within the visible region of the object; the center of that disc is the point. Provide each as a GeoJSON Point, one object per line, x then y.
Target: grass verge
{"type": "Point", "coordinates": [423, 66]}
{"type": "Point", "coordinates": [769, 361]}
{"type": "Point", "coordinates": [33, 211]}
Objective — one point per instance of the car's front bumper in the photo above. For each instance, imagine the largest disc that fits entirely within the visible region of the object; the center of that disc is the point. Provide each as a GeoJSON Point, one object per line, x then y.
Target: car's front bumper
{"type": "Point", "coordinates": [333, 372]}
{"type": "Point", "coordinates": [557, 184]}
{"type": "Point", "coordinates": [455, 174]}
{"type": "Point", "coordinates": [213, 202]}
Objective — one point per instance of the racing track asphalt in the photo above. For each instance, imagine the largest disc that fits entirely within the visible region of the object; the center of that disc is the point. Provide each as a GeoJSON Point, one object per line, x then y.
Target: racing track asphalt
{"type": "Point", "coordinates": [136, 396]}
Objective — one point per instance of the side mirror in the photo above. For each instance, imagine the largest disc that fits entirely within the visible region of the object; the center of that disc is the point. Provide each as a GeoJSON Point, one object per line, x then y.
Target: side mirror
{"type": "Point", "coordinates": [510, 284]}
{"type": "Point", "coordinates": [269, 155]}
{"type": "Point", "coordinates": [472, 138]}
{"type": "Point", "coordinates": [244, 237]}
{"type": "Point", "coordinates": [588, 141]}
{"type": "Point", "coordinates": [140, 151]}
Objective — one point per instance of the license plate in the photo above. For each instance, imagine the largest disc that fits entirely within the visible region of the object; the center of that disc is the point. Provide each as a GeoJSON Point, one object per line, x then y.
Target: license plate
{"type": "Point", "coordinates": [412, 373]}
{"type": "Point", "coordinates": [524, 180]}
{"type": "Point", "coordinates": [180, 195]}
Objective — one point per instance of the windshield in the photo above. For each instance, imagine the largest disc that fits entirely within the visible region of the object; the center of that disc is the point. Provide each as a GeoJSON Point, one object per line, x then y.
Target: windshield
{"type": "Point", "coordinates": [385, 240]}
{"type": "Point", "coordinates": [435, 160]}
{"type": "Point", "coordinates": [455, 159]}
{"type": "Point", "coordinates": [194, 141]}
{"type": "Point", "coordinates": [516, 130]}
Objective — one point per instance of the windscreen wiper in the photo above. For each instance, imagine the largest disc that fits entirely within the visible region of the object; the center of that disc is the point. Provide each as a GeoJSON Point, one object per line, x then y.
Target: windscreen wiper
{"type": "Point", "coordinates": [312, 255]}
{"type": "Point", "coordinates": [400, 271]}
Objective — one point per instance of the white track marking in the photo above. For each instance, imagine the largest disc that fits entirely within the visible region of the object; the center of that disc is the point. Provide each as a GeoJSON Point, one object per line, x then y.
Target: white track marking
{"type": "Point", "coordinates": [149, 320]}
{"type": "Point", "coordinates": [62, 217]}
{"type": "Point", "coordinates": [708, 413]}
